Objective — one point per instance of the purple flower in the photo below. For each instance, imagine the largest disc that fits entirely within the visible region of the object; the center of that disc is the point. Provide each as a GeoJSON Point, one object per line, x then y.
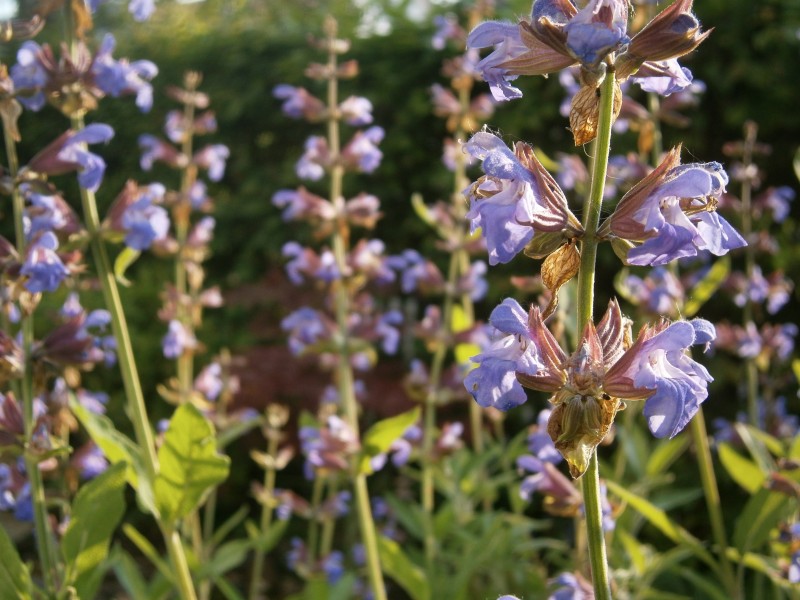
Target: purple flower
{"type": "Point", "coordinates": [68, 153]}
{"type": "Point", "coordinates": [672, 211]}
{"type": "Point", "coordinates": [539, 442]}
{"type": "Point", "coordinates": [660, 292]}
{"type": "Point", "coordinates": [571, 587]}
{"type": "Point", "coordinates": [447, 28]}
{"type": "Point", "coordinates": [120, 77]}
{"type": "Point", "coordinates": [312, 163]}
{"type": "Point", "coordinates": [664, 78]}
{"type": "Point", "coordinates": [141, 9]}
{"type": "Point", "coordinates": [387, 330]}
{"type": "Point", "coordinates": [178, 340]}
{"type": "Point", "coordinates": [597, 29]}
{"type": "Point", "coordinates": [145, 222]}
{"type": "Point", "coordinates": [658, 362]}
{"type": "Point", "coordinates": [29, 74]}
{"type": "Point", "coordinates": [154, 149]}
{"type": "Point", "coordinates": [514, 199]}
{"type": "Point", "coordinates": [508, 46]}
{"type": "Point", "coordinates": [209, 381]}
{"type": "Point", "coordinates": [356, 111]}
{"type": "Point", "coordinates": [46, 212]}
{"type": "Point", "coordinates": [777, 200]}
{"type": "Point", "coordinates": [298, 102]}
{"type": "Point", "coordinates": [494, 381]}
{"type": "Point", "coordinates": [361, 153]}
{"type": "Point", "coordinates": [306, 326]}
{"type": "Point", "coordinates": [213, 159]}
{"type": "Point", "coordinates": [89, 460]}
{"type": "Point", "coordinates": [43, 268]}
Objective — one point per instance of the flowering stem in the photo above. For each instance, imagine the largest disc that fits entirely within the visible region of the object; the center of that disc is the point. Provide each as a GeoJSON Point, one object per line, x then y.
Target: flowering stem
{"type": "Point", "coordinates": [713, 504]}
{"type": "Point", "coordinates": [130, 376]}
{"type": "Point", "coordinates": [586, 275]}
{"type": "Point", "coordinates": [751, 370]}
{"type": "Point", "coordinates": [44, 540]}
{"type": "Point", "coordinates": [344, 370]}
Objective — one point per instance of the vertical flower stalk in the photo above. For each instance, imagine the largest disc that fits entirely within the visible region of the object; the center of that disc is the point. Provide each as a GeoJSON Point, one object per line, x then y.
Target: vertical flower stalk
{"type": "Point", "coordinates": [44, 539]}
{"type": "Point", "coordinates": [586, 278]}
{"type": "Point", "coordinates": [344, 372]}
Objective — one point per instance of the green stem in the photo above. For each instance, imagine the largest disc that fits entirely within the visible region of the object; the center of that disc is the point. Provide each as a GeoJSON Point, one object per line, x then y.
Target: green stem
{"type": "Point", "coordinates": [751, 371]}
{"type": "Point", "coordinates": [586, 276]}
{"type": "Point", "coordinates": [137, 410]}
{"type": "Point", "coordinates": [342, 308]}
{"type": "Point", "coordinates": [713, 504]}
{"type": "Point", "coordinates": [44, 541]}
{"type": "Point", "coordinates": [256, 580]}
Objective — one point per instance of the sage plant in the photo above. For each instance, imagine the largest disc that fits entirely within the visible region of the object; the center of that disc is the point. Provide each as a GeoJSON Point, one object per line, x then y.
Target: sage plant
{"type": "Point", "coordinates": [519, 207]}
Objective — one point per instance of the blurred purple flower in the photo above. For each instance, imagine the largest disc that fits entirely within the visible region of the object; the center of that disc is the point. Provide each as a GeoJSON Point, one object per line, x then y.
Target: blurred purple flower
{"type": "Point", "coordinates": [42, 267]}
{"type": "Point", "coordinates": [178, 340]}
{"type": "Point", "coordinates": [68, 153]}
{"type": "Point", "coordinates": [120, 77]}
{"type": "Point", "coordinates": [213, 158]}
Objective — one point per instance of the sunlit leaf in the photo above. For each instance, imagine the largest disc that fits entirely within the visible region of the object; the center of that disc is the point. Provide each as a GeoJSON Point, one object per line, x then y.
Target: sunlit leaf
{"type": "Point", "coordinates": [404, 572]}
{"type": "Point", "coordinates": [744, 472]}
{"type": "Point", "coordinates": [383, 433]}
{"type": "Point", "coordinates": [189, 464]}
{"type": "Point", "coordinates": [15, 579]}
{"type": "Point", "coordinates": [707, 286]}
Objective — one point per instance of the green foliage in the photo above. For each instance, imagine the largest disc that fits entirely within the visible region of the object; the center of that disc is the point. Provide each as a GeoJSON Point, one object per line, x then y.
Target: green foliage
{"type": "Point", "coordinates": [96, 512]}
{"type": "Point", "coordinates": [190, 465]}
{"type": "Point", "coordinates": [15, 578]}
{"type": "Point", "coordinates": [382, 434]}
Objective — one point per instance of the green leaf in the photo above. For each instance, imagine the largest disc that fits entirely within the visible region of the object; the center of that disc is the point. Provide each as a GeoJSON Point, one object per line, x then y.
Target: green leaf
{"type": "Point", "coordinates": [422, 210]}
{"type": "Point", "coordinates": [665, 453]}
{"type": "Point", "coordinates": [124, 259]}
{"type": "Point", "coordinates": [237, 430]}
{"type": "Point", "coordinates": [15, 579]}
{"type": "Point", "coordinates": [757, 448]}
{"type": "Point", "coordinates": [117, 447]}
{"type": "Point", "coordinates": [397, 566]}
{"type": "Point", "coordinates": [707, 286]}
{"type": "Point", "coordinates": [794, 449]}
{"type": "Point", "coordinates": [189, 464]}
{"type": "Point", "coordinates": [266, 541]}
{"type": "Point", "coordinates": [760, 516]}
{"type": "Point", "coordinates": [228, 556]}
{"type": "Point", "coordinates": [796, 163]}
{"type": "Point", "coordinates": [146, 548]}
{"type": "Point", "coordinates": [659, 519]}
{"type": "Point", "coordinates": [381, 435]}
{"type": "Point", "coordinates": [634, 551]}
{"type": "Point", "coordinates": [96, 512]}
{"type": "Point", "coordinates": [744, 472]}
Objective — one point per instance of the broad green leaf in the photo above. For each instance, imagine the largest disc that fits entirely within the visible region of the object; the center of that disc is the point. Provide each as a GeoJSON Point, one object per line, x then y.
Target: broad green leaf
{"type": "Point", "coordinates": [96, 512]}
{"type": "Point", "coordinates": [380, 436]}
{"type": "Point", "coordinates": [744, 472]}
{"type": "Point", "coordinates": [405, 573]}
{"type": "Point", "coordinates": [117, 447]}
{"type": "Point", "coordinates": [760, 516]}
{"type": "Point", "coordinates": [15, 579]}
{"type": "Point", "coordinates": [189, 464]}
{"type": "Point", "coordinates": [707, 286]}
{"type": "Point", "coordinates": [659, 519]}
{"type": "Point", "coordinates": [124, 259]}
